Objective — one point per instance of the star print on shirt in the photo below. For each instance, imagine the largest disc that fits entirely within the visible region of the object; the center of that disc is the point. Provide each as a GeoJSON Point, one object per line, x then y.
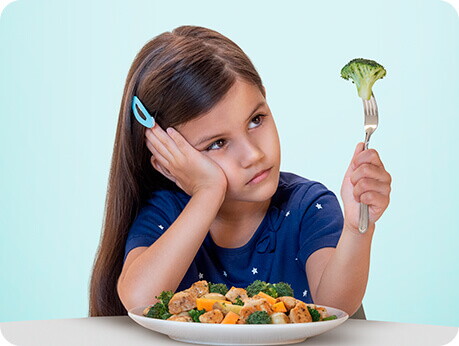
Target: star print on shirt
{"type": "Point", "coordinates": [161, 226]}
{"type": "Point", "coordinates": [201, 276]}
{"type": "Point", "coordinates": [254, 271]}
{"type": "Point", "coordinates": [287, 214]}
{"type": "Point", "coordinates": [305, 293]}
{"type": "Point", "coordinates": [224, 273]}
{"type": "Point", "coordinates": [319, 206]}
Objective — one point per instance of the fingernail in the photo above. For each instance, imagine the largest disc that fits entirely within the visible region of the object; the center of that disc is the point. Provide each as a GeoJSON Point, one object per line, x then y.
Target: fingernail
{"type": "Point", "coordinates": [170, 130]}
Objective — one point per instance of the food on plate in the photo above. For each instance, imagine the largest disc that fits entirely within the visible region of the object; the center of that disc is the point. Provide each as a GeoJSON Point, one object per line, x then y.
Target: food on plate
{"type": "Point", "coordinates": [364, 73]}
{"type": "Point", "coordinates": [258, 303]}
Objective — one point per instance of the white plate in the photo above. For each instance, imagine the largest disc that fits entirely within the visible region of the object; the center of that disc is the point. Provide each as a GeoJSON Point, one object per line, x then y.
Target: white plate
{"type": "Point", "coordinates": [238, 334]}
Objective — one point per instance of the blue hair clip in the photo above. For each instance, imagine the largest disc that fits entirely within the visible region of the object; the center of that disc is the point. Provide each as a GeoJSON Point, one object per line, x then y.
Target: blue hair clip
{"type": "Point", "coordinates": [149, 121]}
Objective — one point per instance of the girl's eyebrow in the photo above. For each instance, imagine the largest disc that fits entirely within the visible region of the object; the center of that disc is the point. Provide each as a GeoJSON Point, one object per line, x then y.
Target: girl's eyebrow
{"type": "Point", "coordinates": [208, 138]}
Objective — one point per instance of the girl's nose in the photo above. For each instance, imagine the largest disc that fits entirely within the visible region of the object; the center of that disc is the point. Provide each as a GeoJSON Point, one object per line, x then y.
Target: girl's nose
{"type": "Point", "coordinates": [250, 153]}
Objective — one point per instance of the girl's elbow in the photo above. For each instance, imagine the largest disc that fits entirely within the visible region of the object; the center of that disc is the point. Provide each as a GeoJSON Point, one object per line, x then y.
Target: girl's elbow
{"type": "Point", "coordinates": [126, 295]}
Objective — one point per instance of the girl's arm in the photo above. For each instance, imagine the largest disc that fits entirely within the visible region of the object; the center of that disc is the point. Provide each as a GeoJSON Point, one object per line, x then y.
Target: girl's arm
{"type": "Point", "coordinates": [338, 277]}
{"type": "Point", "coordinates": [150, 270]}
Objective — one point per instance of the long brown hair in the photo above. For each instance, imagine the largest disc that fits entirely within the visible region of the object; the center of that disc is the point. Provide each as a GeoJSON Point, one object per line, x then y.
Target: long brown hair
{"type": "Point", "coordinates": [178, 76]}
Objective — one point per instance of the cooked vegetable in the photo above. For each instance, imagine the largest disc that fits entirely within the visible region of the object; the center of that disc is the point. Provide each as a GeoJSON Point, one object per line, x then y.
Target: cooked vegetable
{"type": "Point", "coordinates": [279, 318]}
{"type": "Point", "coordinates": [256, 305]}
{"type": "Point", "coordinates": [165, 297]}
{"type": "Point", "coordinates": [279, 307]}
{"type": "Point", "coordinates": [230, 318]}
{"type": "Point", "coordinates": [206, 304]}
{"type": "Point", "coordinates": [283, 289]}
{"type": "Point", "coordinates": [268, 298]}
{"type": "Point", "coordinates": [314, 314]}
{"type": "Point", "coordinates": [227, 307]}
{"type": "Point", "coordinates": [332, 317]}
{"type": "Point", "coordinates": [261, 286]}
{"type": "Point", "coordinates": [364, 73]}
{"type": "Point", "coordinates": [259, 317]}
{"type": "Point", "coordinates": [214, 296]}
{"type": "Point", "coordinates": [159, 310]}
{"type": "Point", "coordinates": [238, 302]}
{"type": "Point", "coordinates": [195, 313]}
{"type": "Point", "coordinates": [218, 288]}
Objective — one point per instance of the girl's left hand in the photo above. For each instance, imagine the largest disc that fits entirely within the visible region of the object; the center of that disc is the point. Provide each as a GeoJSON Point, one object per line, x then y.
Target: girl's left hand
{"type": "Point", "coordinates": [365, 181]}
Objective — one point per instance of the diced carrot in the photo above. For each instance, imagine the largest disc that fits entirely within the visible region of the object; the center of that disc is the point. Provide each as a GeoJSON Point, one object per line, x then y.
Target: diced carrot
{"type": "Point", "coordinates": [270, 299]}
{"type": "Point", "coordinates": [279, 307]}
{"type": "Point", "coordinates": [207, 304]}
{"type": "Point", "coordinates": [230, 318]}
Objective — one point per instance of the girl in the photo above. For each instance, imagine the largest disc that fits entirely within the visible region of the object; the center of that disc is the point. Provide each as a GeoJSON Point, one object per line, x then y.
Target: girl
{"type": "Point", "coordinates": [200, 195]}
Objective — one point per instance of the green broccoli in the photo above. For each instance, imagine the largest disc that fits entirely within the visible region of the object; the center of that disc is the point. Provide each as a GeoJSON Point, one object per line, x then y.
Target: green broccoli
{"type": "Point", "coordinates": [314, 314]}
{"type": "Point", "coordinates": [364, 73]}
{"type": "Point", "coordinates": [332, 317]}
{"type": "Point", "coordinates": [259, 317]}
{"type": "Point", "coordinates": [218, 288]}
{"type": "Point", "coordinates": [195, 313]}
{"type": "Point", "coordinates": [159, 310]}
{"type": "Point", "coordinates": [239, 302]}
{"type": "Point", "coordinates": [283, 289]}
{"type": "Point", "coordinates": [165, 297]}
{"type": "Point", "coordinates": [261, 286]}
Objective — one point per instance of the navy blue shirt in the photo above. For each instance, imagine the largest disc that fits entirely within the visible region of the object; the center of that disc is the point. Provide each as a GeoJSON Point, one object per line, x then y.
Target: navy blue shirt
{"type": "Point", "coordinates": [303, 217]}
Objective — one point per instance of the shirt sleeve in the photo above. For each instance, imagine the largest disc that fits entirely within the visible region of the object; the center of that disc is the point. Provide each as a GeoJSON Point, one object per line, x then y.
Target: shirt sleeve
{"type": "Point", "coordinates": [153, 219]}
{"type": "Point", "coordinates": [322, 222]}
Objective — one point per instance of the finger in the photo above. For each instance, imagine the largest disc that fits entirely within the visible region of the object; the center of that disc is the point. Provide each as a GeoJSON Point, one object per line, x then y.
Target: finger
{"type": "Point", "coordinates": [156, 154]}
{"type": "Point", "coordinates": [368, 156]}
{"type": "Point", "coordinates": [357, 150]}
{"type": "Point", "coordinates": [377, 201]}
{"type": "Point", "coordinates": [158, 145]}
{"type": "Point", "coordinates": [370, 171]}
{"type": "Point", "coordinates": [370, 185]}
{"type": "Point", "coordinates": [161, 169]}
{"type": "Point", "coordinates": [181, 142]}
{"type": "Point", "coordinates": [166, 140]}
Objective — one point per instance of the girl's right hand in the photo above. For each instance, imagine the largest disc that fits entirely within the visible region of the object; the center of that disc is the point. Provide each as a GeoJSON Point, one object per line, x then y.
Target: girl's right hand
{"type": "Point", "coordinates": [180, 162]}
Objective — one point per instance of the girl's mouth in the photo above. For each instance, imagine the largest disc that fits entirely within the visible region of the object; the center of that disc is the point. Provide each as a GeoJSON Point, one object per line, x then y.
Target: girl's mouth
{"type": "Point", "coordinates": [259, 177]}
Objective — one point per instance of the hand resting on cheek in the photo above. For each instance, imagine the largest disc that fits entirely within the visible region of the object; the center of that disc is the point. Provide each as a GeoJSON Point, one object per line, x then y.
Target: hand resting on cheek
{"type": "Point", "coordinates": [180, 162]}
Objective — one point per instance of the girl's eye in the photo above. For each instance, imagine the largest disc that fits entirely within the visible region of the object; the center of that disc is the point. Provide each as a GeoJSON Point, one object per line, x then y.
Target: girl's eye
{"type": "Point", "coordinates": [218, 144]}
{"type": "Point", "coordinates": [257, 121]}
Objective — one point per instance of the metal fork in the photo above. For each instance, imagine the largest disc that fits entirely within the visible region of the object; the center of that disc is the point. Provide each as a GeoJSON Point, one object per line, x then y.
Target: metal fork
{"type": "Point", "coordinates": [370, 125]}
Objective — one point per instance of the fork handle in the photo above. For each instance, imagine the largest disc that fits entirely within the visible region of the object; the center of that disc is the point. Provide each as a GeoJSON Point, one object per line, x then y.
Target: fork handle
{"type": "Point", "coordinates": [363, 218]}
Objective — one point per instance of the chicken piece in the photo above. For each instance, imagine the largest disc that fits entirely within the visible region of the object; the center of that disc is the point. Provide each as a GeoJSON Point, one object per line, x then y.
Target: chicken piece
{"type": "Point", "coordinates": [235, 293]}
{"type": "Point", "coordinates": [199, 288]}
{"type": "Point", "coordinates": [182, 301]}
{"type": "Point", "coordinates": [279, 318]}
{"type": "Point", "coordinates": [300, 314]}
{"type": "Point", "coordinates": [212, 316]}
{"type": "Point", "coordinates": [251, 305]}
{"type": "Point", "coordinates": [180, 318]}
{"type": "Point", "coordinates": [146, 310]}
{"type": "Point", "coordinates": [289, 302]}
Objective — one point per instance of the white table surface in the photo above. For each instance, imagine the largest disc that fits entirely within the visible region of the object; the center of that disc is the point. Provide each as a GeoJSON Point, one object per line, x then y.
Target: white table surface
{"type": "Point", "coordinates": [121, 330]}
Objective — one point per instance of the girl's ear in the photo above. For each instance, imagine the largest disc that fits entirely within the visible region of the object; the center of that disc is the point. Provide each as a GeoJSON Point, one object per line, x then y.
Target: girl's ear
{"type": "Point", "coordinates": [164, 171]}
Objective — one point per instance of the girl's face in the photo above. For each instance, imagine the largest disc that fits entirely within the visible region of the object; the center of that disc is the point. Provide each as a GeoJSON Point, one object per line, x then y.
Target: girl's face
{"type": "Point", "coordinates": [240, 135]}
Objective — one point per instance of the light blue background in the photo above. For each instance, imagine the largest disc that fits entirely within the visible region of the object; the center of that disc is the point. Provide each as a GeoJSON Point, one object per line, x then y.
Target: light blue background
{"type": "Point", "coordinates": [63, 67]}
